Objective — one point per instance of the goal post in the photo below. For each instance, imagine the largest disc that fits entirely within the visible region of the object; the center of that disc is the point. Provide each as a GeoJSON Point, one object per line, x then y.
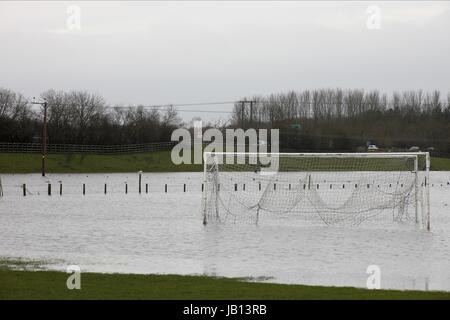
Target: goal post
{"type": "Point", "coordinates": [334, 188]}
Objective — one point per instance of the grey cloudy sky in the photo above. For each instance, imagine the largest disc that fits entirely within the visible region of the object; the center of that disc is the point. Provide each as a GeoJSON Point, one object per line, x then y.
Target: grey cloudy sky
{"type": "Point", "coordinates": [183, 52]}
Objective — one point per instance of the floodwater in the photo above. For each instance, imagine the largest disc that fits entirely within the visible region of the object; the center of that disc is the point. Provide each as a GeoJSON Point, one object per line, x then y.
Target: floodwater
{"type": "Point", "coordinates": [162, 232]}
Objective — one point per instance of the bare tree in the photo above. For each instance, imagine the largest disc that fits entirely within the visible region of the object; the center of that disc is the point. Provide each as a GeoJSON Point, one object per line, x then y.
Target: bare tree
{"type": "Point", "coordinates": [85, 108]}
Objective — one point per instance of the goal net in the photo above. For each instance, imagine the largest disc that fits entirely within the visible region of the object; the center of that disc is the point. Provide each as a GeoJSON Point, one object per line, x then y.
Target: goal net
{"type": "Point", "coordinates": [333, 188]}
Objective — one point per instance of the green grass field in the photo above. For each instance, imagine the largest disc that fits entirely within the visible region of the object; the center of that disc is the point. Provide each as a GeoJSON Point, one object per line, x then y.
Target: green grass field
{"type": "Point", "coordinates": [148, 162]}
{"type": "Point", "coordinates": [52, 285]}
{"type": "Point", "coordinates": [74, 163]}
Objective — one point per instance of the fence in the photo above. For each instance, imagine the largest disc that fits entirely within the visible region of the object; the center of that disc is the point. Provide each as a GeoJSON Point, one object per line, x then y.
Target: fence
{"type": "Point", "coordinates": [17, 147]}
{"type": "Point", "coordinates": [79, 148]}
{"type": "Point", "coordinates": [130, 187]}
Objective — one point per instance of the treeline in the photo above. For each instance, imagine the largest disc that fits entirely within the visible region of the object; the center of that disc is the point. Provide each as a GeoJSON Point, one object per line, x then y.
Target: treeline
{"type": "Point", "coordinates": [336, 119]}
{"type": "Point", "coordinates": [309, 120]}
{"type": "Point", "coordinates": [82, 118]}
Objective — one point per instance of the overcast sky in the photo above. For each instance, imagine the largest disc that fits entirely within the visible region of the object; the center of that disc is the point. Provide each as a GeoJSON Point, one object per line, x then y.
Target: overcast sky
{"type": "Point", "coordinates": [187, 52]}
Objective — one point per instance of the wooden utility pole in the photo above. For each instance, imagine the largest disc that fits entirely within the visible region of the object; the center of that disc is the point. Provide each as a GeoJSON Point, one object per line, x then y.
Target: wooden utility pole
{"type": "Point", "coordinates": [243, 113]}
{"type": "Point", "coordinates": [243, 103]}
{"type": "Point", "coordinates": [44, 139]}
{"type": "Point", "coordinates": [251, 113]}
{"type": "Point", "coordinates": [44, 136]}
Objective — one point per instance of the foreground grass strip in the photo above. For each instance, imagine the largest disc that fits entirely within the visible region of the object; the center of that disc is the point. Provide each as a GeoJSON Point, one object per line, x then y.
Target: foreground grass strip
{"type": "Point", "coordinates": [52, 285]}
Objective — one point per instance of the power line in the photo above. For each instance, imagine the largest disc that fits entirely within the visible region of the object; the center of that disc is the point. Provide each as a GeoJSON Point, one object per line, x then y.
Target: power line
{"type": "Point", "coordinates": [177, 110]}
{"type": "Point", "coordinates": [200, 104]}
{"type": "Point", "coordinates": [159, 107]}
{"type": "Point", "coordinates": [165, 106]}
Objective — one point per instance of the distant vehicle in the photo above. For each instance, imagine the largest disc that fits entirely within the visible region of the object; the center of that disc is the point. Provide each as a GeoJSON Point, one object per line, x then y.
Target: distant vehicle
{"type": "Point", "coordinates": [372, 147]}
{"type": "Point", "coordinates": [414, 149]}
{"type": "Point", "coordinates": [296, 126]}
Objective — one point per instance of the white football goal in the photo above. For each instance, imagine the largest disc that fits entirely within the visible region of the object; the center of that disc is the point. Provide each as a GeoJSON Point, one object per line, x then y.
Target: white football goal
{"type": "Point", "coordinates": [333, 188]}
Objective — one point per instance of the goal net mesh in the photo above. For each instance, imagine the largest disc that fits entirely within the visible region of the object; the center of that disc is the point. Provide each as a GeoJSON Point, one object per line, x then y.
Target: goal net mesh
{"type": "Point", "coordinates": [333, 189]}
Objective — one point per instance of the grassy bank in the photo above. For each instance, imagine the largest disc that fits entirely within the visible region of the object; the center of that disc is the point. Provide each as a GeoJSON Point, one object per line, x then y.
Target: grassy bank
{"type": "Point", "coordinates": [52, 285]}
{"type": "Point", "coordinates": [440, 164]}
{"type": "Point", "coordinates": [148, 162]}
{"type": "Point", "coordinates": [74, 163]}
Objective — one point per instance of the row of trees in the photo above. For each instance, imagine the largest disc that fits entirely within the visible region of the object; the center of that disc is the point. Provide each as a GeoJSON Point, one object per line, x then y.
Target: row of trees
{"type": "Point", "coordinates": [323, 119]}
{"type": "Point", "coordinates": [329, 104]}
{"type": "Point", "coordinates": [345, 119]}
{"type": "Point", "coordinates": [83, 118]}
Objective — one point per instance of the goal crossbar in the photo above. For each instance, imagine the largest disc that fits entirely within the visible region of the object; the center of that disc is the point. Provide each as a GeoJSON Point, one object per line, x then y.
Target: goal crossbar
{"type": "Point", "coordinates": [323, 154]}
